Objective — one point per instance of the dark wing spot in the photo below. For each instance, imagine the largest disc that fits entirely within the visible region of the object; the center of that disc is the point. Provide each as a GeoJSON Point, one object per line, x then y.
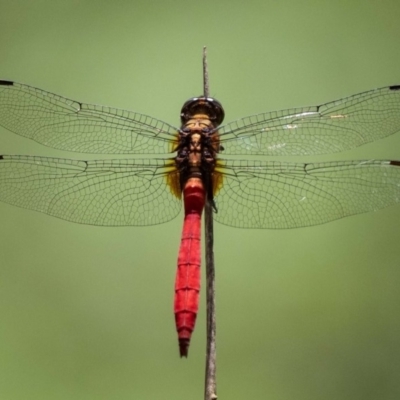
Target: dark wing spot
{"type": "Point", "coordinates": [6, 83]}
{"type": "Point", "coordinates": [394, 87]}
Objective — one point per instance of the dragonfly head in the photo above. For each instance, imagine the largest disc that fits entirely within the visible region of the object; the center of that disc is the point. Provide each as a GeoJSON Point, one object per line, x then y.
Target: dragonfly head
{"type": "Point", "coordinates": [203, 105]}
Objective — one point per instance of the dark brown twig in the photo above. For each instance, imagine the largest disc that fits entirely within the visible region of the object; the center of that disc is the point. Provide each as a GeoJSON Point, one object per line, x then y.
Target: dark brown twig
{"type": "Point", "coordinates": [206, 88]}
{"type": "Point", "coordinates": [210, 392]}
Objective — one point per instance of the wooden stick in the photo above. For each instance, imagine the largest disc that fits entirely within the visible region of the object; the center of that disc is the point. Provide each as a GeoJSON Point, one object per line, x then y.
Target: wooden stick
{"type": "Point", "coordinates": [210, 392]}
{"type": "Point", "coordinates": [206, 87]}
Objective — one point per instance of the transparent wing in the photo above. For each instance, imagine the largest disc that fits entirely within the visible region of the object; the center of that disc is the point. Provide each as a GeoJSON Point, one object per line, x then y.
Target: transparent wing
{"type": "Point", "coordinates": [279, 195]}
{"type": "Point", "coordinates": [66, 124]}
{"type": "Point", "coordinates": [105, 192]}
{"type": "Point", "coordinates": [332, 127]}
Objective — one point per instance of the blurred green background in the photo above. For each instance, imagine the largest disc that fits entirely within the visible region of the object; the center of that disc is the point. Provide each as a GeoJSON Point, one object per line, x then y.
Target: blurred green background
{"type": "Point", "coordinates": [86, 312]}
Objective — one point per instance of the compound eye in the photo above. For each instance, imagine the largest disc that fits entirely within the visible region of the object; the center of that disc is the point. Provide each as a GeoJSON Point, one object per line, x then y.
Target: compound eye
{"type": "Point", "coordinates": [206, 130]}
{"type": "Point", "coordinates": [186, 129]}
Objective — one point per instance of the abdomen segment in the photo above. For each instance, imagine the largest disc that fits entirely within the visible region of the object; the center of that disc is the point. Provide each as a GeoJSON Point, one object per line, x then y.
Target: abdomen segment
{"type": "Point", "coordinates": [187, 283]}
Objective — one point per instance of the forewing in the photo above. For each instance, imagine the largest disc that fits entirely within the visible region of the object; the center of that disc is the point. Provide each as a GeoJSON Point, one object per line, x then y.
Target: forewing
{"type": "Point", "coordinates": [278, 195]}
{"type": "Point", "coordinates": [66, 124]}
{"type": "Point", "coordinates": [104, 192]}
{"type": "Point", "coordinates": [332, 127]}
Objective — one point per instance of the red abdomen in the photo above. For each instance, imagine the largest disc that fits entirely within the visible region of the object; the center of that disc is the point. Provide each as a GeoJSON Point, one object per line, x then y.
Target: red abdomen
{"type": "Point", "coordinates": [187, 283]}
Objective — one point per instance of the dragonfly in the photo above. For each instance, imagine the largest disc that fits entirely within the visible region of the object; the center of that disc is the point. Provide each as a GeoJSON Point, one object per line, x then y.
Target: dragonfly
{"type": "Point", "coordinates": [196, 162]}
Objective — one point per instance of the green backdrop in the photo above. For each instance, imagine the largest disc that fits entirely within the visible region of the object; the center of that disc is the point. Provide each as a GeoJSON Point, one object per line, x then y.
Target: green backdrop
{"type": "Point", "coordinates": [86, 312]}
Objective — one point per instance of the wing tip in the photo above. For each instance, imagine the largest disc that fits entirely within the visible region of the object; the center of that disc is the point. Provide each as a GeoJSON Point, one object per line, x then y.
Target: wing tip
{"type": "Point", "coordinates": [6, 83]}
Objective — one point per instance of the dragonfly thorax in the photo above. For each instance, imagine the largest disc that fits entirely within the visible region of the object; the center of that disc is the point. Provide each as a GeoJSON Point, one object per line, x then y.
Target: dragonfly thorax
{"type": "Point", "coordinates": [198, 145]}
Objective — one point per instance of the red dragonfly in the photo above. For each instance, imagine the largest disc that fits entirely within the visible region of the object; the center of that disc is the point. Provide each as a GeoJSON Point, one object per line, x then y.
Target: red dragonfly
{"type": "Point", "coordinates": [246, 193]}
